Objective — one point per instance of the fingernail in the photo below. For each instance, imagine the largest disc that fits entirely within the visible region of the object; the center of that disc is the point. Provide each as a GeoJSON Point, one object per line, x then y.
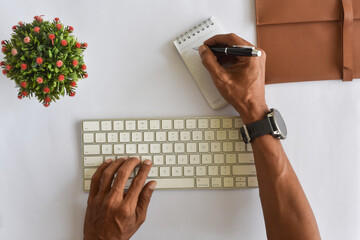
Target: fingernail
{"type": "Point", "coordinates": [202, 48]}
{"type": "Point", "coordinates": [147, 162]}
{"type": "Point", "coordinates": [153, 185]}
{"type": "Point", "coordinates": [108, 160]}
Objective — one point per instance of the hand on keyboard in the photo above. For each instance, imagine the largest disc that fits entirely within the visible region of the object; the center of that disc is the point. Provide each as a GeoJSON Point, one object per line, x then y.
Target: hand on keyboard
{"type": "Point", "coordinates": [240, 80]}
{"type": "Point", "coordinates": [111, 213]}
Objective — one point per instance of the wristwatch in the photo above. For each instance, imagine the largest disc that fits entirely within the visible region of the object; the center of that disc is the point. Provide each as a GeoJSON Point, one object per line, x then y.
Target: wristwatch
{"type": "Point", "coordinates": [272, 124]}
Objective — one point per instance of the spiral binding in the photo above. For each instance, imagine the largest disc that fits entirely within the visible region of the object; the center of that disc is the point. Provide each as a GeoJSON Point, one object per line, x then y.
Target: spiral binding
{"type": "Point", "coordinates": [192, 32]}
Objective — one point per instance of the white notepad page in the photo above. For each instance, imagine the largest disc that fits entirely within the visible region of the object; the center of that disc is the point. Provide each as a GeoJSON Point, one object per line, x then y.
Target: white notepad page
{"type": "Point", "coordinates": [193, 38]}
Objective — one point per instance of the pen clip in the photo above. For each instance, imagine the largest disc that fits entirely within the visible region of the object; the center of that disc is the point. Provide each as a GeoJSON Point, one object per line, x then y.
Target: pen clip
{"type": "Point", "coordinates": [242, 46]}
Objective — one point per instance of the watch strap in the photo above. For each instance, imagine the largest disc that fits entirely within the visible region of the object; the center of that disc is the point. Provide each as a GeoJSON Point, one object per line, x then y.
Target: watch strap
{"type": "Point", "coordinates": [256, 129]}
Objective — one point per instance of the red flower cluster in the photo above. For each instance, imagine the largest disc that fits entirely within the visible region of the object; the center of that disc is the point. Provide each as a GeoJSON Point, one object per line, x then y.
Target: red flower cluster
{"type": "Point", "coordinates": [39, 60]}
{"type": "Point", "coordinates": [14, 27]}
{"type": "Point", "coordinates": [63, 42]}
{"type": "Point", "coordinates": [46, 90]}
{"type": "Point", "coordinates": [78, 45]}
{"type": "Point", "coordinates": [3, 49]}
{"type": "Point", "coordinates": [36, 29]}
{"type": "Point", "coordinates": [52, 37]}
{"type": "Point", "coordinates": [58, 26]}
{"type": "Point", "coordinates": [40, 80]}
{"type": "Point", "coordinates": [61, 78]}
{"type": "Point", "coordinates": [23, 66]}
{"type": "Point", "coordinates": [38, 18]}
{"type": "Point", "coordinates": [23, 84]}
{"type": "Point", "coordinates": [75, 62]}
{"type": "Point", "coordinates": [56, 19]}
{"type": "Point", "coordinates": [59, 63]}
{"type": "Point", "coordinates": [70, 29]}
{"type": "Point", "coordinates": [72, 94]}
{"type": "Point", "coordinates": [2, 42]}
{"type": "Point", "coordinates": [73, 83]}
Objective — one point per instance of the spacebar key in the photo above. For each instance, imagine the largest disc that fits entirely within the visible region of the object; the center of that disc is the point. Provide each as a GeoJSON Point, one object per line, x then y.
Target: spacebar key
{"type": "Point", "coordinates": [174, 183]}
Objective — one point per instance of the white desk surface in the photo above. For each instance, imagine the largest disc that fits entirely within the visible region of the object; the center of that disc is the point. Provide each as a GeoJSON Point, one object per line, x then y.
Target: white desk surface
{"type": "Point", "coordinates": [135, 71]}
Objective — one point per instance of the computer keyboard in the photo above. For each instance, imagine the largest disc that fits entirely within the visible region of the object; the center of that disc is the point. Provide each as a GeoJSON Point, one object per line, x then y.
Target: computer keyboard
{"type": "Point", "coordinates": [187, 153]}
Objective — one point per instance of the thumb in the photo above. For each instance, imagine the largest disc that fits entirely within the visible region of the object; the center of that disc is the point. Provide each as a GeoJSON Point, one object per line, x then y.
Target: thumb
{"type": "Point", "coordinates": [144, 199]}
{"type": "Point", "coordinates": [210, 62]}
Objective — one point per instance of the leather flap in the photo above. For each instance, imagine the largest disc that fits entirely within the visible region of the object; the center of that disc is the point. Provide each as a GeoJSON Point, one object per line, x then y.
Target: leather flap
{"type": "Point", "coordinates": [300, 11]}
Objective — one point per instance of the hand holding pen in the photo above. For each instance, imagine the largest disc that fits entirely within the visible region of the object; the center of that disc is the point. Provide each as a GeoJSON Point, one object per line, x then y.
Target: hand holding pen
{"type": "Point", "coordinates": [235, 50]}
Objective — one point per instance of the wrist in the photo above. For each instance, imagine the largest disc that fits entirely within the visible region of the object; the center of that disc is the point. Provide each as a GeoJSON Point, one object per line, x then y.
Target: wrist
{"type": "Point", "coordinates": [252, 112]}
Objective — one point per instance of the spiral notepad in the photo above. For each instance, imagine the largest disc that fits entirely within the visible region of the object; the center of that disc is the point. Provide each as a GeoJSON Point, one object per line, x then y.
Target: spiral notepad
{"type": "Point", "coordinates": [185, 43]}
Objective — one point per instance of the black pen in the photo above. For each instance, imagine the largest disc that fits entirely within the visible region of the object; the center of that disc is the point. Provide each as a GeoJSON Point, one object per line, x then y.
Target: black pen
{"type": "Point", "coordinates": [235, 50]}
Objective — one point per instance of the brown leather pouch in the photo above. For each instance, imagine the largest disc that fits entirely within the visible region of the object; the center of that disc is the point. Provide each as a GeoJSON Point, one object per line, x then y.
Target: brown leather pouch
{"type": "Point", "coordinates": [308, 40]}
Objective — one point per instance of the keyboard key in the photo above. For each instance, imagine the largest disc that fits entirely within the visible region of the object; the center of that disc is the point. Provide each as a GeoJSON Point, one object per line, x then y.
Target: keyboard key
{"type": "Point", "coordinates": [130, 148]}
{"type": "Point", "coordinates": [93, 161]}
{"type": "Point", "coordinates": [143, 148]}
{"type": "Point", "coordinates": [167, 147]}
{"type": "Point", "coordinates": [239, 146]}
{"type": "Point", "coordinates": [200, 170]}
{"type": "Point", "coordinates": [240, 184]}
{"type": "Point", "coordinates": [124, 137]}
{"type": "Point", "coordinates": [194, 159]}
{"type": "Point", "coordinates": [185, 136]}
{"type": "Point", "coordinates": [179, 147]}
{"type": "Point", "coordinates": [214, 123]}
{"type": "Point", "coordinates": [191, 147]}
{"type": "Point", "coordinates": [106, 149]}
{"type": "Point", "coordinates": [252, 182]}
{"type": "Point", "coordinates": [153, 172]}
{"type": "Point", "coordinates": [182, 159]}
{"type": "Point", "coordinates": [170, 159]}
{"type": "Point", "coordinates": [233, 134]}
{"type": "Point", "coordinates": [228, 182]}
{"type": "Point", "coordinates": [216, 182]}
{"type": "Point", "coordinates": [87, 185]}
{"type": "Point", "coordinates": [91, 149]}
{"type": "Point", "coordinates": [142, 125]}
{"type": "Point", "coordinates": [148, 136]}
{"type": "Point", "coordinates": [118, 125]}
{"type": "Point", "coordinates": [230, 158]}
{"type": "Point", "coordinates": [220, 135]}
{"type": "Point", "coordinates": [89, 172]}
{"type": "Point", "coordinates": [158, 160]}
{"type": "Point", "coordinates": [213, 170]}
{"type": "Point", "coordinates": [154, 124]}
{"type": "Point", "coordinates": [173, 136]}
{"type": "Point", "coordinates": [238, 123]}
{"type": "Point", "coordinates": [155, 148]}
{"type": "Point", "coordinates": [136, 137]}
{"type": "Point", "coordinates": [203, 147]}
{"type": "Point", "coordinates": [215, 147]}
{"type": "Point", "coordinates": [146, 157]}
{"type": "Point", "coordinates": [244, 170]}
{"type": "Point", "coordinates": [218, 158]}
{"type": "Point", "coordinates": [227, 123]}
{"type": "Point", "coordinates": [228, 147]}
{"type": "Point", "coordinates": [209, 135]}
{"type": "Point", "coordinates": [91, 126]}
{"type": "Point", "coordinates": [179, 124]}
{"type": "Point", "coordinates": [164, 171]}
{"type": "Point", "coordinates": [188, 171]}
{"type": "Point", "coordinates": [202, 182]}
{"type": "Point", "coordinates": [105, 125]}
{"type": "Point", "coordinates": [206, 159]}
{"type": "Point", "coordinates": [245, 158]}
{"type": "Point", "coordinates": [176, 171]}
{"type": "Point", "coordinates": [130, 125]}
{"type": "Point", "coordinates": [203, 123]}
{"type": "Point", "coordinates": [160, 136]}
{"type": "Point", "coordinates": [174, 183]}
{"type": "Point", "coordinates": [197, 135]}
{"type": "Point", "coordinates": [100, 137]}
{"type": "Point", "coordinates": [240, 179]}
{"type": "Point", "coordinates": [119, 148]}
{"type": "Point", "coordinates": [166, 124]}
{"type": "Point", "coordinates": [88, 137]}
{"type": "Point", "coordinates": [112, 137]}
{"type": "Point", "coordinates": [224, 170]}
{"type": "Point", "coordinates": [190, 123]}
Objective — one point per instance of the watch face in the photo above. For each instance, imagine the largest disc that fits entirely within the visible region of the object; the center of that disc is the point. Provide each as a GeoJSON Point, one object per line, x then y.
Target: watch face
{"type": "Point", "coordinates": [279, 121]}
